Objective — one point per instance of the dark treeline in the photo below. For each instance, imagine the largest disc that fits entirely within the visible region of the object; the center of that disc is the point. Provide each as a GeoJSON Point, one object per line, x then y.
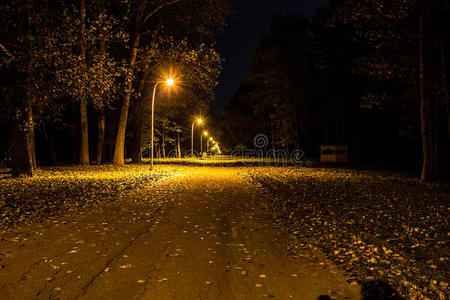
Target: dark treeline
{"type": "Point", "coordinates": [368, 74]}
{"type": "Point", "coordinates": [77, 76]}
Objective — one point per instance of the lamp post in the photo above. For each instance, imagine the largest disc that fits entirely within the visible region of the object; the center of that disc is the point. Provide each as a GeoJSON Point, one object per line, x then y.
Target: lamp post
{"type": "Point", "coordinates": [169, 82]}
{"type": "Point", "coordinates": [205, 133]}
{"type": "Point", "coordinates": [207, 144]}
{"type": "Point", "coordinates": [199, 121]}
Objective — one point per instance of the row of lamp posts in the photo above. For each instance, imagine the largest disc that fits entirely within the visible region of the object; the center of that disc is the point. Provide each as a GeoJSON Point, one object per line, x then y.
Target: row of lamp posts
{"type": "Point", "coordinates": [169, 82]}
{"type": "Point", "coordinates": [204, 133]}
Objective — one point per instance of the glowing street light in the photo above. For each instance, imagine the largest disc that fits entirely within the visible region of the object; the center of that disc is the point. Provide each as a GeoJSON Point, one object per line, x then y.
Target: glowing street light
{"type": "Point", "coordinates": [199, 121]}
{"type": "Point", "coordinates": [207, 144]}
{"type": "Point", "coordinates": [169, 82]}
{"type": "Point", "coordinates": [205, 133]}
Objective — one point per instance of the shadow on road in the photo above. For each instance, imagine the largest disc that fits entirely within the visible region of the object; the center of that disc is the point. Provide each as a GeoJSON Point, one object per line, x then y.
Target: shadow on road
{"type": "Point", "coordinates": [378, 289]}
{"type": "Point", "coordinates": [374, 290]}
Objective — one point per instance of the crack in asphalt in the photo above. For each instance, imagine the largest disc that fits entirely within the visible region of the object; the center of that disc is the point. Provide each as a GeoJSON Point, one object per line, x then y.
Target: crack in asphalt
{"type": "Point", "coordinates": [147, 275]}
{"type": "Point", "coordinates": [114, 257]}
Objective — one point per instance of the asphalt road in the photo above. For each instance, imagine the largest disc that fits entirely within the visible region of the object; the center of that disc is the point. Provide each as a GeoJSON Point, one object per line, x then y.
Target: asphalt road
{"type": "Point", "coordinates": [201, 234]}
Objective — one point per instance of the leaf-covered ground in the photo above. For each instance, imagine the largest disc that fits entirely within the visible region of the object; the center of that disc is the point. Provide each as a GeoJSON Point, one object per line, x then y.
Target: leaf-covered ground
{"type": "Point", "coordinates": [376, 225]}
{"type": "Point", "coordinates": [68, 188]}
{"type": "Point", "coordinates": [200, 233]}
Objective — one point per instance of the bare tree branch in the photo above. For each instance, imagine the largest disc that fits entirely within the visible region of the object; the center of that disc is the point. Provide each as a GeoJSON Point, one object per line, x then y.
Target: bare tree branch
{"type": "Point", "coordinates": [157, 9]}
{"type": "Point", "coordinates": [5, 50]}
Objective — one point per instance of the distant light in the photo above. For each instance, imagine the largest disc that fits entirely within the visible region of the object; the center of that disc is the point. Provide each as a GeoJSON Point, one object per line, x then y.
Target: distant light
{"type": "Point", "coordinates": [210, 138]}
{"type": "Point", "coordinates": [199, 121]}
{"type": "Point", "coordinates": [170, 81]}
{"type": "Point", "coordinates": [205, 133]}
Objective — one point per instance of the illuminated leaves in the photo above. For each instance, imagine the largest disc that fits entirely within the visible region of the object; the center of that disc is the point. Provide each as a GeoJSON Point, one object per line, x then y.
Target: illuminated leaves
{"type": "Point", "coordinates": [375, 225]}
{"type": "Point", "coordinates": [125, 266]}
{"type": "Point", "coordinates": [70, 189]}
{"type": "Point", "coordinates": [95, 75]}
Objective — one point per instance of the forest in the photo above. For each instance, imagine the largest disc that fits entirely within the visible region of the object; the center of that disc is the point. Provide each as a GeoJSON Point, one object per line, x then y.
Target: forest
{"type": "Point", "coordinates": [77, 77]}
{"type": "Point", "coordinates": [368, 74]}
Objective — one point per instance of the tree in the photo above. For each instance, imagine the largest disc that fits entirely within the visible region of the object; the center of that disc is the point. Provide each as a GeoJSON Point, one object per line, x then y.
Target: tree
{"type": "Point", "coordinates": [276, 87]}
{"type": "Point", "coordinates": [389, 28]}
{"type": "Point", "coordinates": [27, 78]}
{"type": "Point", "coordinates": [141, 14]}
{"type": "Point", "coordinates": [146, 17]}
{"type": "Point", "coordinates": [196, 70]}
{"type": "Point", "coordinates": [85, 70]}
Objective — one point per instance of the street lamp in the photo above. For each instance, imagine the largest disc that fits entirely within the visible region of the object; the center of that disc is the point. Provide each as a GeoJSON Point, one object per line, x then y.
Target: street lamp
{"type": "Point", "coordinates": [207, 144]}
{"type": "Point", "coordinates": [199, 121]}
{"type": "Point", "coordinates": [169, 82]}
{"type": "Point", "coordinates": [205, 133]}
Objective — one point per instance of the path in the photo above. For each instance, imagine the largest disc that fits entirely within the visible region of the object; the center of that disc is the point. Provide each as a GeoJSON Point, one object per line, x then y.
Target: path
{"type": "Point", "coordinates": [198, 235]}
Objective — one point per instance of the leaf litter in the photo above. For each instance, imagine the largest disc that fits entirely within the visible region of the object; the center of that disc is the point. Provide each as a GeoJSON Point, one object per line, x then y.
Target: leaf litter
{"type": "Point", "coordinates": [375, 225]}
{"type": "Point", "coordinates": [68, 188]}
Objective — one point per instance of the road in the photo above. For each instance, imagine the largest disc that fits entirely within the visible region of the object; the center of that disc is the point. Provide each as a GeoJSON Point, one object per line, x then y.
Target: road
{"type": "Point", "coordinates": [201, 234]}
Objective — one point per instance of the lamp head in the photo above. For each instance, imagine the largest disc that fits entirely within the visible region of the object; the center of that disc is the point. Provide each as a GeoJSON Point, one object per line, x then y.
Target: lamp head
{"type": "Point", "coordinates": [170, 81]}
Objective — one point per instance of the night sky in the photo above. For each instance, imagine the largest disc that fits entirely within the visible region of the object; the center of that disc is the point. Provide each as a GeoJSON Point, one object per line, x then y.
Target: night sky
{"type": "Point", "coordinates": [245, 28]}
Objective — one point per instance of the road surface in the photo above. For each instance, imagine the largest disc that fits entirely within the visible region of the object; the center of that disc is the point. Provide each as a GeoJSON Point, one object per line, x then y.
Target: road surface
{"type": "Point", "coordinates": [201, 234]}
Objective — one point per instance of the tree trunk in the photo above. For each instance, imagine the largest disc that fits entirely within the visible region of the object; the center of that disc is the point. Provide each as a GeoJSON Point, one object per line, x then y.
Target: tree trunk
{"type": "Point", "coordinates": [157, 149]}
{"type": "Point", "coordinates": [445, 91]}
{"type": "Point", "coordinates": [73, 144]}
{"type": "Point", "coordinates": [84, 147]}
{"type": "Point", "coordinates": [273, 139]}
{"type": "Point", "coordinates": [178, 144]}
{"type": "Point", "coordinates": [337, 116]}
{"type": "Point", "coordinates": [426, 112]}
{"type": "Point", "coordinates": [448, 117]}
{"type": "Point", "coordinates": [52, 146]}
{"type": "Point", "coordinates": [23, 157]}
{"type": "Point", "coordinates": [137, 139]}
{"type": "Point", "coordinates": [163, 143]}
{"type": "Point", "coordinates": [21, 148]}
{"type": "Point", "coordinates": [138, 123]}
{"type": "Point", "coordinates": [435, 132]}
{"type": "Point", "coordinates": [32, 145]}
{"type": "Point", "coordinates": [100, 136]}
{"type": "Point", "coordinates": [297, 128]}
{"type": "Point", "coordinates": [119, 150]}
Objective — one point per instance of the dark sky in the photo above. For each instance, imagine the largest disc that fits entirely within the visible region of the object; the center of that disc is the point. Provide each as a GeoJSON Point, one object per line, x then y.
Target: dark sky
{"type": "Point", "coordinates": [245, 28]}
